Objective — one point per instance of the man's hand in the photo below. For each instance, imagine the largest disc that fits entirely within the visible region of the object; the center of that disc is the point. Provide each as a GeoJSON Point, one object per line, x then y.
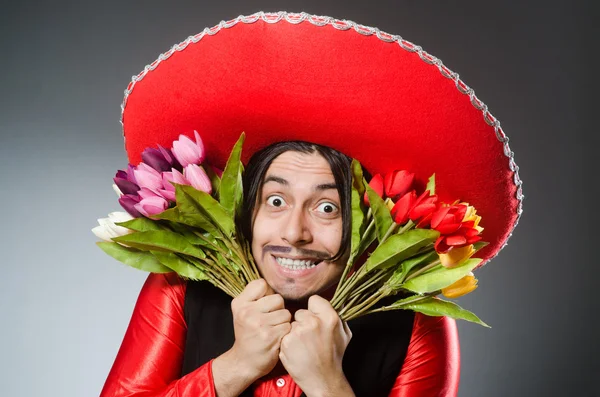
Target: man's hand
{"type": "Point", "coordinates": [260, 321]}
{"type": "Point", "coordinates": [313, 350]}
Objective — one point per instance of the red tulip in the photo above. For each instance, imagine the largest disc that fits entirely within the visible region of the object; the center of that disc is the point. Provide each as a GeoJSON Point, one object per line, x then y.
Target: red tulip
{"type": "Point", "coordinates": [455, 232]}
{"type": "Point", "coordinates": [403, 206]}
{"type": "Point", "coordinates": [377, 185]}
{"type": "Point", "coordinates": [398, 183]}
{"type": "Point", "coordinates": [424, 206]}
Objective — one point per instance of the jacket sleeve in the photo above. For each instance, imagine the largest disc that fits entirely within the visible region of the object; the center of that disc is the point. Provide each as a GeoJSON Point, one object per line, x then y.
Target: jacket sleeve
{"type": "Point", "coordinates": [149, 361]}
{"type": "Point", "coordinates": [432, 364]}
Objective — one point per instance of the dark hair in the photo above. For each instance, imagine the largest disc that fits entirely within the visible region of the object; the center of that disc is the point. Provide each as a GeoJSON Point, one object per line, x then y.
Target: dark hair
{"type": "Point", "coordinates": [259, 164]}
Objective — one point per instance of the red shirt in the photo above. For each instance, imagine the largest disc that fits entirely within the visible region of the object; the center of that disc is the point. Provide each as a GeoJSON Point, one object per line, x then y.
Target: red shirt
{"type": "Point", "coordinates": [149, 361]}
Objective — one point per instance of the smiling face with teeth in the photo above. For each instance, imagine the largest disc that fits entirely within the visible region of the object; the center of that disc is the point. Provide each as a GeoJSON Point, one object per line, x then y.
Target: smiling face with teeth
{"type": "Point", "coordinates": [297, 226]}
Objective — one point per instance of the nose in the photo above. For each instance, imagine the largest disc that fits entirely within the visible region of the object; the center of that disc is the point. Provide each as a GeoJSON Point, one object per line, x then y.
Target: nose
{"type": "Point", "coordinates": [296, 231]}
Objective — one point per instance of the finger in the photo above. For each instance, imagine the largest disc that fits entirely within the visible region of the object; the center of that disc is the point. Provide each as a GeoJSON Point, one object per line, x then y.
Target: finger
{"type": "Point", "coordinates": [347, 330]}
{"type": "Point", "coordinates": [318, 305]}
{"type": "Point", "coordinates": [282, 330]}
{"type": "Point", "coordinates": [270, 303]}
{"type": "Point", "coordinates": [278, 317]}
{"type": "Point", "coordinates": [302, 315]}
{"type": "Point", "coordinates": [255, 290]}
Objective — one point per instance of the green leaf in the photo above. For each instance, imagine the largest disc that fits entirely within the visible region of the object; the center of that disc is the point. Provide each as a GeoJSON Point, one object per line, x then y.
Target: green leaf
{"type": "Point", "coordinates": [479, 245]}
{"type": "Point", "coordinates": [135, 258]}
{"type": "Point", "coordinates": [231, 189]}
{"type": "Point", "coordinates": [140, 224]}
{"type": "Point", "coordinates": [368, 237]}
{"type": "Point", "coordinates": [383, 218]}
{"type": "Point", "coordinates": [227, 262]}
{"type": "Point", "coordinates": [358, 208]}
{"type": "Point", "coordinates": [160, 241]}
{"type": "Point", "coordinates": [191, 235]}
{"type": "Point", "coordinates": [400, 273]}
{"type": "Point", "coordinates": [192, 203]}
{"type": "Point", "coordinates": [179, 265]}
{"type": "Point", "coordinates": [433, 306]}
{"type": "Point", "coordinates": [441, 278]}
{"type": "Point", "coordinates": [215, 181]}
{"type": "Point", "coordinates": [431, 185]}
{"type": "Point", "coordinates": [399, 247]}
{"type": "Point", "coordinates": [195, 220]}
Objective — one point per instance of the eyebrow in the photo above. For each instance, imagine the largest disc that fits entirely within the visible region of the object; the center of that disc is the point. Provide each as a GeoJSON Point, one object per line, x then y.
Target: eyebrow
{"type": "Point", "coordinates": [282, 181]}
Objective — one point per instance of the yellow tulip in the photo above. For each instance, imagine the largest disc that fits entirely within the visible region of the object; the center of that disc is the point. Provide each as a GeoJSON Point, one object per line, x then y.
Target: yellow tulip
{"type": "Point", "coordinates": [389, 203]}
{"type": "Point", "coordinates": [456, 256]}
{"type": "Point", "coordinates": [462, 287]}
{"type": "Point", "coordinates": [471, 215]}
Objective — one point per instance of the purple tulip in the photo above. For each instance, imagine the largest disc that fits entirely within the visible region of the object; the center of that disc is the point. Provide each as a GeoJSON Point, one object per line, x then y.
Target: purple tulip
{"type": "Point", "coordinates": [124, 184]}
{"type": "Point", "coordinates": [148, 177]}
{"type": "Point", "coordinates": [156, 159]}
{"type": "Point", "coordinates": [152, 205]}
{"type": "Point", "coordinates": [128, 202]}
{"type": "Point", "coordinates": [187, 151]}
{"type": "Point", "coordinates": [130, 175]}
{"type": "Point", "coordinates": [197, 178]}
{"type": "Point", "coordinates": [168, 155]}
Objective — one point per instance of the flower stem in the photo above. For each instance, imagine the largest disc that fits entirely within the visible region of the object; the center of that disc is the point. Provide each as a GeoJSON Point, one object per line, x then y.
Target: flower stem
{"type": "Point", "coordinates": [417, 298]}
{"type": "Point", "coordinates": [409, 225]}
{"type": "Point", "coordinates": [391, 230]}
{"type": "Point", "coordinates": [352, 258]}
{"type": "Point", "coordinates": [422, 270]}
{"type": "Point", "coordinates": [357, 311]}
{"type": "Point", "coordinates": [374, 280]}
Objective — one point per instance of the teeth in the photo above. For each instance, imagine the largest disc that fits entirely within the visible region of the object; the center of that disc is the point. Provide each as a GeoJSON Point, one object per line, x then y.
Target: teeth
{"type": "Point", "coordinates": [295, 264]}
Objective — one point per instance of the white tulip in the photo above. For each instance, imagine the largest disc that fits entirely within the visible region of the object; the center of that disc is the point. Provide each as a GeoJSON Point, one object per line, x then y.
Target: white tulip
{"type": "Point", "coordinates": [106, 230]}
{"type": "Point", "coordinates": [117, 190]}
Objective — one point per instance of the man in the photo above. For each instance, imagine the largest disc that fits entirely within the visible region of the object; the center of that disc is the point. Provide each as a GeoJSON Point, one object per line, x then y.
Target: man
{"type": "Point", "coordinates": [287, 339]}
{"type": "Point", "coordinates": [336, 84]}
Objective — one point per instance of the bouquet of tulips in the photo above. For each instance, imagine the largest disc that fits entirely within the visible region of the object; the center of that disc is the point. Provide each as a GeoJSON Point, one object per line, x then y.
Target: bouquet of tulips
{"type": "Point", "coordinates": [181, 216]}
{"type": "Point", "coordinates": [418, 248]}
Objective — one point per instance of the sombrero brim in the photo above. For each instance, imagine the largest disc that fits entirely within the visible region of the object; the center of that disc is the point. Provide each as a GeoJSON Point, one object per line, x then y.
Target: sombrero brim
{"type": "Point", "coordinates": [371, 95]}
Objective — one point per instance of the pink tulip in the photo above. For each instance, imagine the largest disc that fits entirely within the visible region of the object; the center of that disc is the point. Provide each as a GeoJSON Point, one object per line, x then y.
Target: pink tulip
{"type": "Point", "coordinates": [197, 178]}
{"type": "Point", "coordinates": [168, 190]}
{"type": "Point", "coordinates": [146, 193]}
{"type": "Point", "coordinates": [187, 151]}
{"type": "Point", "coordinates": [152, 205]}
{"type": "Point", "coordinates": [148, 177]}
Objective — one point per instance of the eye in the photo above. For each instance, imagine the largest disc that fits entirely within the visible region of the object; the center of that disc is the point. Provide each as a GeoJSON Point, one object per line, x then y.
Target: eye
{"type": "Point", "coordinates": [275, 201]}
{"type": "Point", "coordinates": [327, 208]}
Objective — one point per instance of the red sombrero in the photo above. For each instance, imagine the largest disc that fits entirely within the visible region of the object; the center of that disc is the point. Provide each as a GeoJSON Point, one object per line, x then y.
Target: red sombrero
{"type": "Point", "coordinates": [372, 95]}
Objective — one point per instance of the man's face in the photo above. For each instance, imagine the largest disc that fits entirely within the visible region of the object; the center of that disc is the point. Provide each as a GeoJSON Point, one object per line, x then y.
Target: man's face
{"type": "Point", "coordinates": [297, 224]}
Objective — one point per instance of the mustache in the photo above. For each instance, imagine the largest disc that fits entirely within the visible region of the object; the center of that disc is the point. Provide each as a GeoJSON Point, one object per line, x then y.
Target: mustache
{"type": "Point", "coordinates": [300, 251]}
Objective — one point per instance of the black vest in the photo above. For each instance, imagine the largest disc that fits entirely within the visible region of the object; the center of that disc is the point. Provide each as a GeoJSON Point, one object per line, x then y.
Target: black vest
{"type": "Point", "coordinates": [372, 360]}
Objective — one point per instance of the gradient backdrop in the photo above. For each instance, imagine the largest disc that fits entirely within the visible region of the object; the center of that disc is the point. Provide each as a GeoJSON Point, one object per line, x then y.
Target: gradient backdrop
{"type": "Point", "coordinates": [65, 305]}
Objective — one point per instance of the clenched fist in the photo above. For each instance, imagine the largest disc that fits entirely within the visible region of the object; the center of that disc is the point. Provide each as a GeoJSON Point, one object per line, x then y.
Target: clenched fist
{"type": "Point", "coordinates": [260, 321]}
{"type": "Point", "coordinates": [312, 352]}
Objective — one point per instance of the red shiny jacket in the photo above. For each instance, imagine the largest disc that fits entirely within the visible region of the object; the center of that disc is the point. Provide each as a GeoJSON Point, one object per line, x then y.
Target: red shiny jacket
{"type": "Point", "coordinates": [149, 361]}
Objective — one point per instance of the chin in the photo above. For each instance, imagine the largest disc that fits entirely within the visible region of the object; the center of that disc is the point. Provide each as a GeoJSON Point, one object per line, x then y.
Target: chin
{"type": "Point", "coordinates": [292, 292]}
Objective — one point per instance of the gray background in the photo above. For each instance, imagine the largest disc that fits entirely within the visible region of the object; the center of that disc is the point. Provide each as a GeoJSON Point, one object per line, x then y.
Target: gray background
{"type": "Point", "coordinates": [65, 305]}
